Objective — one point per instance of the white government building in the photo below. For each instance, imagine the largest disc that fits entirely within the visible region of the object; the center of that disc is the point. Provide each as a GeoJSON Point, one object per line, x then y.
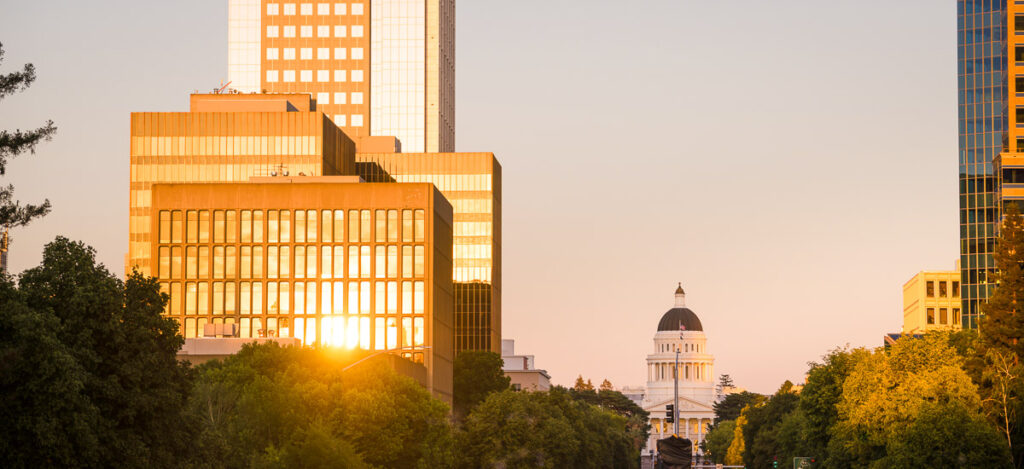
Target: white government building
{"type": "Point", "coordinates": [680, 328]}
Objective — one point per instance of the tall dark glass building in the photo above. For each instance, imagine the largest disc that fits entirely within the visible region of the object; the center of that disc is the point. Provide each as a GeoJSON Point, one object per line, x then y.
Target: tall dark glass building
{"type": "Point", "coordinates": [983, 130]}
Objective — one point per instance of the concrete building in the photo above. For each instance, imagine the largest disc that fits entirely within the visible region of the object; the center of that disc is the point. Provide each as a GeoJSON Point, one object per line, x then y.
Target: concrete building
{"type": "Point", "coordinates": [375, 67]}
{"type": "Point", "coordinates": [931, 301]}
{"type": "Point", "coordinates": [680, 330]}
{"type": "Point", "coordinates": [521, 370]}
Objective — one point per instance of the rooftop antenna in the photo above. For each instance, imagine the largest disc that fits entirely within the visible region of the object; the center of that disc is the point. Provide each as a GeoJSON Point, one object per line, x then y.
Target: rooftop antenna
{"type": "Point", "coordinates": [222, 87]}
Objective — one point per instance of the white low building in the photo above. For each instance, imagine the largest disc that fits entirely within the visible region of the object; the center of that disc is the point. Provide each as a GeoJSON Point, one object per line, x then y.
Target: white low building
{"type": "Point", "coordinates": [680, 329]}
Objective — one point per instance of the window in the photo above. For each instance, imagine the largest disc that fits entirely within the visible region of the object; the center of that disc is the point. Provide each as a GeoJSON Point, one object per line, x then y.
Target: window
{"type": "Point", "coordinates": [323, 8]}
{"type": "Point", "coordinates": [1020, 115]}
{"type": "Point", "coordinates": [339, 75]}
{"type": "Point", "coordinates": [323, 98]}
{"type": "Point", "coordinates": [339, 119]}
{"type": "Point", "coordinates": [339, 98]}
{"type": "Point", "coordinates": [1018, 54]}
{"type": "Point", "coordinates": [357, 30]}
{"type": "Point", "coordinates": [931, 315]}
{"type": "Point", "coordinates": [272, 9]}
{"type": "Point", "coordinates": [306, 76]}
{"type": "Point", "coordinates": [306, 9]}
{"type": "Point", "coordinates": [357, 97]}
{"type": "Point", "coordinates": [1019, 81]}
{"type": "Point", "coordinates": [943, 316]}
{"type": "Point", "coordinates": [339, 53]}
{"type": "Point", "coordinates": [419, 226]}
{"type": "Point", "coordinates": [271, 76]}
{"type": "Point", "coordinates": [176, 226]}
{"type": "Point", "coordinates": [323, 53]}
{"type": "Point", "coordinates": [339, 31]}
{"type": "Point", "coordinates": [357, 53]}
{"type": "Point", "coordinates": [306, 53]}
{"type": "Point", "coordinates": [306, 31]}
{"type": "Point", "coordinates": [942, 289]}
{"type": "Point", "coordinates": [323, 75]}
{"type": "Point", "coordinates": [289, 8]}
{"type": "Point", "coordinates": [1018, 23]}
{"type": "Point", "coordinates": [339, 226]}
{"type": "Point", "coordinates": [930, 289]}
{"type": "Point", "coordinates": [289, 31]}
{"type": "Point", "coordinates": [272, 53]}
{"type": "Point", "coordinates": [289, 53]}
{"type": "Point", "coordinates": [956, 316]}
{"type": "Point", "coordinates": [271, 31]}
{"type": "Point", "coordinates": [956, 288]}
{"type": "Point", "coordinates": [323, 31]}
{"type": "Point", "coordinates": [339, 8]}
{"type": "Point", "coordinates": [289, 76]}
{"type": "Point", "coordinates": [357, 120]}
{"type": "Point", "coordinates": [357, 76]}
{"type": "Point", "coordinates": [357, 8]}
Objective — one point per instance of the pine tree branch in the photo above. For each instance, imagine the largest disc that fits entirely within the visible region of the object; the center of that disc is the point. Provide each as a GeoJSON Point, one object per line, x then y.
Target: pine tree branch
{"type": "Point", "coordinates": [13, 214]}
{"type": "Point", "coordinates": [16, 81]}
{"type": "Point", "coordinates": [17, 142]}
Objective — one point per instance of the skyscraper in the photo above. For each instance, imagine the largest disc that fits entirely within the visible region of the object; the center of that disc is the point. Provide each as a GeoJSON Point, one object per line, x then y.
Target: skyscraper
{"type": "Point", "coordinates": [375, 67]}
{"type": "Point", "coordinates": [986, 129]}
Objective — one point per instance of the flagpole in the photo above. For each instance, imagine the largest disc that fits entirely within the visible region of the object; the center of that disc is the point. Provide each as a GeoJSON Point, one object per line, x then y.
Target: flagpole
{"type": "Point", "coordinates": [675, 400]}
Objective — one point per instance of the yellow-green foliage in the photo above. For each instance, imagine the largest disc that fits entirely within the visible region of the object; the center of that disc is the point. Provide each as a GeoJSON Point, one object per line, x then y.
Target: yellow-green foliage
{"type": "Point", "coordinates": [735, 454]}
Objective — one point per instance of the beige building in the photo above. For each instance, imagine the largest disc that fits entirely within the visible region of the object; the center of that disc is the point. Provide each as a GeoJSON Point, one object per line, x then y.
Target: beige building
{"type": "Point", "coordinates": [931, 300]}
{"type": "Point", "coordinates": [521, 371]}
{"type": "Point", "coordinates": [375, 67]}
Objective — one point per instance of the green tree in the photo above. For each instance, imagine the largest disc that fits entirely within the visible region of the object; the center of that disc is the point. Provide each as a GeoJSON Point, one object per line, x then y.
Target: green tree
{"type": "Point", "coordinates": [947, 435]}
{"type": "Point", "coordinates": [1002, 324]}
{"type": "Point", "coordinates": [12, 213]}
{"type": "Point", "coordinates": [272, 406]}
{"type": "Point", "coordinates": [638, 425]}
{"type": "Point", "coordinates": [476, 374]}
{"type": "Point", "coordinates": [729, 408]}
{"type": "Point", "coordinates": [889, 393]}
{"type": "Point", "coordinates": [606, 386]}
{"type": "Point", "coordinates": [71, 328]}
{"type": "Point", "coordinates": [718, 440]}
{"type": "Point", "coordinates": [761, 432]}
{"type": "Point", "coordinates": [546, 430]}
{"type": "Point", "coordinates": [821, 395]}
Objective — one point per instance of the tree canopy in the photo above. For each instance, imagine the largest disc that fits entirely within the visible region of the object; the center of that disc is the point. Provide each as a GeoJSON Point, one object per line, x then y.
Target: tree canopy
{"type": "Point", "coordinates": [476, 374]}
{"type": "Point", "coordinates": [87, 367]}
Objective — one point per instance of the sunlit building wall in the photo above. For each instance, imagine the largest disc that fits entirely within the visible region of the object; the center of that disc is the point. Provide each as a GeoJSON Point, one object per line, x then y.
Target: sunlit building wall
{"type": "Point", "coordinates": [226, 138]}
{"type": "Point", "coordinates": [931, 300]}
{"type": "Point", "coordinates": [472, 183]}
{"type": "Point", "coordinates": [329, 261]}
{"type": "Point", "coordinates": [375, 67]}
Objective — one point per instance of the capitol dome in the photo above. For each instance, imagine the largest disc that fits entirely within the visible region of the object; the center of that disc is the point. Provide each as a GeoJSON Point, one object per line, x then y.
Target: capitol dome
{"type": "Point", "coordinates": [680, 317]}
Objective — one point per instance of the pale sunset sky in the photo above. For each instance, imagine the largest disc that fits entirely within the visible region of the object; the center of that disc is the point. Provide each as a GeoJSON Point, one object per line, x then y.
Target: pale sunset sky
{"type": "Point", "coordinates": [791, 162]}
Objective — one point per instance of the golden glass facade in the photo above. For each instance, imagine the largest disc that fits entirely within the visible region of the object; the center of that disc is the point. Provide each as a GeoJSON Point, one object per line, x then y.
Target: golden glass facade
{"type": "Point", "coordinates": [177, 147]}
{"type": "Point", "coordinates": [375, 67]}
{"type": "Point", "coordinates": [340, 264]}
{"type": "Point", "coordinates": [472, 183]}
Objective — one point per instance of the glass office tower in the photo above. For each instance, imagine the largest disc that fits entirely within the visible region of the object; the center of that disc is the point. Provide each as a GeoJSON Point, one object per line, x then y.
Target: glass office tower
{"type": "Point", "coordinates": [983, 135]}
{"type": "Point", "coordinates": [472, 183]}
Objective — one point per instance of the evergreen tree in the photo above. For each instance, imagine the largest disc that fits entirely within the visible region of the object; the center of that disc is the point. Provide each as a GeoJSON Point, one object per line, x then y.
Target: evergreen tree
{"type": "Point", "coordinates": [14, 143]}
{"type": "Point", "coordinates": [606, 385]}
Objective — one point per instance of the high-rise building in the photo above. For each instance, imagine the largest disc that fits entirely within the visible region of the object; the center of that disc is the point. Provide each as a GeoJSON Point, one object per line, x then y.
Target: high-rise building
{"type": "Point", "coordinates": [248, 211]}
{"type": "Point", "coordinates": [227, 138]}
{"type": "Point", "coordinates": [472, 183]}
{"type": "Point", "coordinates": [326, 260]}
{"type": "Point", "coordinates": [375, 67]}
{"type": "Point", "coordinates": [931, 300]}
{"type": "Point", "coordinates": [987, 127]}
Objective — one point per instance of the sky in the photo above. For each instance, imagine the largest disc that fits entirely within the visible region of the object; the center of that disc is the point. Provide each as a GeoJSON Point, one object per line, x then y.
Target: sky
{"type": "Point", "coordinates": [791, 162]}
